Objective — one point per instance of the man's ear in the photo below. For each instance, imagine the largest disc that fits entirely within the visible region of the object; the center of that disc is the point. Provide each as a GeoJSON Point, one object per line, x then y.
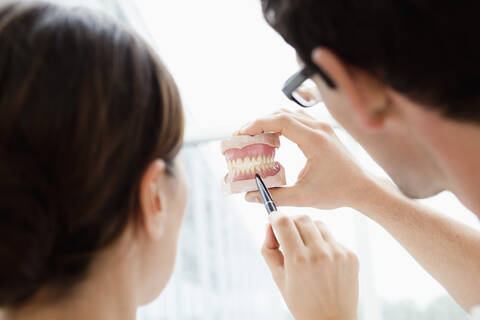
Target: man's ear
{"type": "Point", "coordinates": [152, 200]}
{"type": "Point", "coordinates": [365, 93]}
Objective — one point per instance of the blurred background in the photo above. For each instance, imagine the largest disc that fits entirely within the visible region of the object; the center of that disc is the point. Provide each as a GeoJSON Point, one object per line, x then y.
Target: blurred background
{"type": "Point", "coordinates": [230, 66]}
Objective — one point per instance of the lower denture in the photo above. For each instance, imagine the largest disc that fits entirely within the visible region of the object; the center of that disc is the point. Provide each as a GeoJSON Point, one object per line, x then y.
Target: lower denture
{"type": "Point", "coordinates": [244, 163]}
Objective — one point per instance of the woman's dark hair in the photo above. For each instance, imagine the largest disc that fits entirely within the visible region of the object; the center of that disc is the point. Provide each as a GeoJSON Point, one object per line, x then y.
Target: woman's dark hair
{"type": "Point", "coordinates": [426, 49]}
{"type": "Point", "coordinates": [85, 107]}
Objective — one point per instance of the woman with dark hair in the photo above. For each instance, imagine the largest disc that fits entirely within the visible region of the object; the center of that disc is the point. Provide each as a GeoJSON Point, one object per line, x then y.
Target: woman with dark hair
{"type": "Point", "coordinates": [91, 194]}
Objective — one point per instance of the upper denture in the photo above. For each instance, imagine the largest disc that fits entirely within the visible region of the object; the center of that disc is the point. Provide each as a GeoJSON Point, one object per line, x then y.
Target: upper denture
{"type": "Point", "coordinates": [239, 142]}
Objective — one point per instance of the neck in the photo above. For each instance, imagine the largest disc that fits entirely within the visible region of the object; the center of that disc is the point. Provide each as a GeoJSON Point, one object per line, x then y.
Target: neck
{"type": "Point", "coordinates": [109, 292]}
{"type": "Point", "coordinates": [462, 156]}
{"type": "Point", "coordinates": [457, 144]}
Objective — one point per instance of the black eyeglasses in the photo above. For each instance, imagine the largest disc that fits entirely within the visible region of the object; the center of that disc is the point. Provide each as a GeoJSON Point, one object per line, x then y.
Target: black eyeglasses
{"type": "Point", "coordinates": [301, 89]}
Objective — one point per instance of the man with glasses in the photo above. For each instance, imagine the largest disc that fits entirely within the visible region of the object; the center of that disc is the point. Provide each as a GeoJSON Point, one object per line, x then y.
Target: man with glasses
{"type": "Point", "coordinates": [401, 77]}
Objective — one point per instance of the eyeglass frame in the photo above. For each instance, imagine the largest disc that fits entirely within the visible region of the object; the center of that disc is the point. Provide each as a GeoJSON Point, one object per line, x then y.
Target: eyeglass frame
{"type": "Point", "coordinates": [296, 80]}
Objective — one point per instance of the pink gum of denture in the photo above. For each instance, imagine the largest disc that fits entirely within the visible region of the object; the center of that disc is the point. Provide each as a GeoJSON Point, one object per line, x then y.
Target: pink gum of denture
{"type": "Point", "coordinates": [247, 155]}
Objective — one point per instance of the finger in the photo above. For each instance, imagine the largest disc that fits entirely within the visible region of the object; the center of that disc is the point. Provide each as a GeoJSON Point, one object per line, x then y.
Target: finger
{"type": "Point", "coordinates": [286, 233]}
{"type": "Point", "coordinates": [309, 232]}
{"type": "Point", "coordinates": [271, 241]}
{"type": "Point", "coordinates": [283, 196]}
{"type": "Point", "coordinates": [300, 114]}
{"type": "Point", "coordinates": [349, 255]}
{"type": "Point", "coordinates": [287, 126]}
{"type": "Point", "coordinates": [272, 255]}
{"type": "Point", "coordinates": [326, 234]}
{"type": "Point", "coordinates": [307, 120]}
{"type": "Point", "coordinates": [306, 114]}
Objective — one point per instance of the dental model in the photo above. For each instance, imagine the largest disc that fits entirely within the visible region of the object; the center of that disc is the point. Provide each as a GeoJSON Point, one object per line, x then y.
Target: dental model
{"type": "Point", "coordinates": [248, 155]}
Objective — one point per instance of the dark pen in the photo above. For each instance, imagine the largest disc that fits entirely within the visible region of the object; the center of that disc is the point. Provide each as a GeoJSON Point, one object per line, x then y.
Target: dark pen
{"type": "Point", "coordinates": [265, 195]}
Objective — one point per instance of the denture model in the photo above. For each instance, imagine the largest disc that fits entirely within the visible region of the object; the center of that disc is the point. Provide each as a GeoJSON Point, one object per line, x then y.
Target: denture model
{"type": "Point", "coordinates": [248, 155]}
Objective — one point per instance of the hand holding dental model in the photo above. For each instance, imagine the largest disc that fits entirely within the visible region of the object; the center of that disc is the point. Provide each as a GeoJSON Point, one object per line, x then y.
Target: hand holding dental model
{"type": "Point", "coordinates": [247, 155]}
{"type": "Point", "coordinates": [330, 179]}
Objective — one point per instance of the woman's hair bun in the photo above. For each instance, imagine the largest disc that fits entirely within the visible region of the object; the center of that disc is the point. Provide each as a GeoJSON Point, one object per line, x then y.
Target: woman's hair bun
{"type": "Point", "coordinates": [27, 229]}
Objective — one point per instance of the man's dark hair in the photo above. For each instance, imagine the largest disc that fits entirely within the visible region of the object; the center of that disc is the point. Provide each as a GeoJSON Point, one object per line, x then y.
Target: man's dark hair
{"type": "Point", "coordinates": [428, 50]}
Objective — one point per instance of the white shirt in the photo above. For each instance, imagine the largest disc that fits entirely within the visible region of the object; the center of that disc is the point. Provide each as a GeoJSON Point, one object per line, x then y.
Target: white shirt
{"type": "Point", "coordinates": [475, 313]}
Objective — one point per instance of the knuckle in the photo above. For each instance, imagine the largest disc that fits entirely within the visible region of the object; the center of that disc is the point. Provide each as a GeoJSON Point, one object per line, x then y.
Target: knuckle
{"type": "Point", "coordinates": [300, 258]}
{"type": "Point", "coordinates": [325, 127]}
{"type": "Point", "coordinates": [303, 219]}
{"type": "Point", "coordinates": [339, 255]}
{"type": "Point", "coordinates": [283, 117]}
{"type": "Point", "coordinates": [321, 226]}
{"type": "Point", "coordinates": [319, 257]}
{"type": "Point", "coordinates": [283, 222]}
{"type": "Point", "coordinates": [319, 223]}
{"type": "Point", "coordinates": [320, 138]}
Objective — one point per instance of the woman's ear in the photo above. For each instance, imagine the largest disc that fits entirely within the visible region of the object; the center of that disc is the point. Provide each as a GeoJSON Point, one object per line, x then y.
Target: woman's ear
{"type": "Point", "coordinates": [152, 201]}
{"type": "Point", "coordinates": [364, 93]}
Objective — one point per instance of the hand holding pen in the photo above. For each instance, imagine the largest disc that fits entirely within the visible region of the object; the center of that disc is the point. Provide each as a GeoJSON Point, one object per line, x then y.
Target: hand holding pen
{"type": "Point", "coordinates": [311, 270]}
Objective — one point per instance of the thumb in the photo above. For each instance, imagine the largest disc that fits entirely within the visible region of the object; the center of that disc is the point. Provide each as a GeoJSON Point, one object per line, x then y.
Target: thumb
{"type": "Point", "coordinates": [272, 255]}
{"type": "Point", "coordinates": [284, 196]}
